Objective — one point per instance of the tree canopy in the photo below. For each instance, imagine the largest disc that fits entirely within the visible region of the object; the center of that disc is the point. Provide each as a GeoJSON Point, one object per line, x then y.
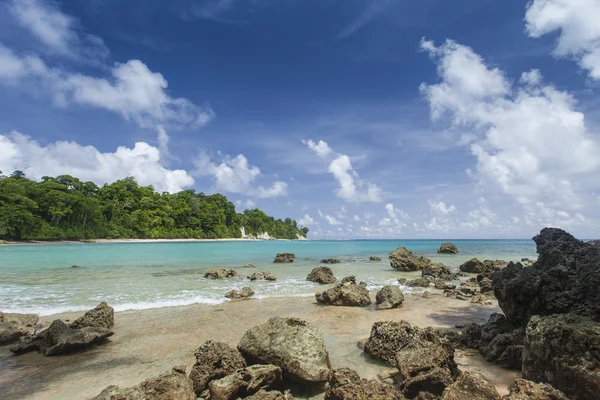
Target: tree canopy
{"type": "Point", "coordinates": [65, 208]}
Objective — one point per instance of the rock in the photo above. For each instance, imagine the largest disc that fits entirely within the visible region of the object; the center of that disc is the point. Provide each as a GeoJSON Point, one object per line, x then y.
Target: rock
{"type": "Point", "coordinates": [322, 275]}
{"type": "Point", "coordinates": [523, 389]}
{"type": "Point", "coordinates": [485, 285]}
{"type": "Point", "coordinates": [426, 294]}
{"type": "Point", "coordinates": [563, 350]}
{"type": "Point", "coordinates": [481, 299]}
{"type": "Point", "coordinates": [270, 395]}
{"type": "Point", "coordinates": [173, 385]}
{"type": "Point", "coordinates": [59, 338]}
{"type": "Point", "coordinates": [330, 261]}
{"type": "Point", "coordinates": [342, 376]}
{"type": "Point", "coordinates": [347, 293]}
{"type": "Point", "coordinates": [221, 273]}
{"type": "Point", "coordinates": [249, 266]}
{"type": "Point", "coordinates": [389, 297]}
{"type": "Point", "coordinates": [245, 382]}
{"type": "Point", "coordinates": [13, 326]}
{"type": "Point", "coordinates": [374, 258]}
{"type": "Point", "coordinates": [345, 384]}
{"type": "Point", "coordinates": [284, 258]}
{"type": "Point", "coordinates": [240, 294]}
{"type": "Point", "coordinates": [405, 260]}
{"type": "Point", "coordinates": [419, 282]}
{"type": "Point", "coordinates": [214, 360]}
{"type": "Point", "coordinates": [262, 276]}
{"type": "Point", "coordinates": [103, 316]}
{"type": "Point", "coordinates": [448, 248]}
{"type": "Point", "coordinates": [474, 266]}
{"type": "Point", "coordinates": [471, 386]}
{"type": "Point", "coordinates": [438, 271]}
{"type": "Point", "coordinates": [468, 288]}
{"type": "Point", "coordinates": [290, 343]}
{"type": "Point", "coordinates": [76, 266]}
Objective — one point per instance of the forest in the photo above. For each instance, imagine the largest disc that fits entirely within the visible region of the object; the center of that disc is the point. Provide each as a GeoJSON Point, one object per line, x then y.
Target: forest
{"type": "Point", "coordinates": [65, 208]}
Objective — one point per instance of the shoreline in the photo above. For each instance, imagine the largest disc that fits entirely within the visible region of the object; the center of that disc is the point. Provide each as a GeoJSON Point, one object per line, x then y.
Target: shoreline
{"type": "Point", "coordinates": [102, 241]}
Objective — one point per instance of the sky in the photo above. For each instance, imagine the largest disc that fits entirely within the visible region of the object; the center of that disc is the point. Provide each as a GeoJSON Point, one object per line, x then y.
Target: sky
{"type": "Point", "coordinates": [357, 118]}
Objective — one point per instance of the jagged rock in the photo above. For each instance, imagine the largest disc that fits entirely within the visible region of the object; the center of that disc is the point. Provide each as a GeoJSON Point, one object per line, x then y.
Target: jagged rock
{"type": "Point", "coordinates": [471, 386]}
{"type": "Point", "coordinates": [290, 343]}
{"type": "Point", "coordinates": [468, 288]}
{"type": "Point", "coordinates": [485, 285]}
{"type": "Point", "coordinates": [214, 360]}
{"type": "Point", "coordinates": [448, 248]}
{"type": "Point", "coordinates": [59, 338]}
{"type": "Point", "coordinates": [173, 385]}
{"type": "Point", "coordinates": [345, 384]}
{"type": "Point", "coordinates": [564, 351]}
{"type": "Point", "coordinates": [374, 258]}
{"type": "Point", "coordinates": [405, 260]}
{"type": "Point", "coordinates": [284, 258]}
{"type": "Point", "coordinates": [419, 282]}
{"type": "Point", "coordinates": [474, 266]}
{"type": "Point", "coordinates": [13, 326]}
{"type": "Point", "coordinates": [221, 273]}
{"type": "Point", "coordinates": [438, 271]}
{"type": "Point", "coordinates": [245, 382]}
{"type": "Point", "coordinates": [389, 297]}
{"type": "Point", "coordinates": [270, 395]}
{"type": "Point", "coordinates": [103, 316]}
{"type": "Point", "coordinates": [240, 294]}
{"type": "Point", "coordinates": [249, 266]}
{"type": "Point", "coordinates": [330, 261]}
{"type": "Point", "coordinates": [523, 389]}
{"type": "Point", "coordinates": [322, 275]}
{"type": "Point", "coordinates": [347, 293]}
{"type": "Point", "coordinates": [262, 276]}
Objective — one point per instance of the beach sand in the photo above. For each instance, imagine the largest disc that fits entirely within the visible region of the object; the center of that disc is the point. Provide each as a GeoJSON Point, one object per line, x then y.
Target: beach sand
{"type": "Point", "coordinates": [149, 342]}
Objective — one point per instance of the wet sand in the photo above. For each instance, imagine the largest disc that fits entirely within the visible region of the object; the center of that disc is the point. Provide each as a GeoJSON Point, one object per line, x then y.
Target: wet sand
{"type": "Point", "coordinates": [149, 342]}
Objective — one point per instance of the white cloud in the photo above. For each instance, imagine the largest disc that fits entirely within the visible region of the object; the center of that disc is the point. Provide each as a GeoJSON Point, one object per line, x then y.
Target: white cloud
{"type": "Point", "coordinates": [249, 204]}
{"type": "Point", "coordinates": [332, 221]}
{"type": "Point", "coordinates": [21, 152]}
{"type": "Point", "coordinates": [307, 220]}
{"type": "Point", "coordinates": [395, 212]}
{"type": "Point", "coordinates": [577, 22]}
{"type": "Point", "coordinates": [356, 218]}
{"type": "Point", "coordinates": [236, 175]}
{"type": "Point", "coordinates": [321, 147]}
{"type": "Point", "coordinates": [320, 214]}
{"type": "Point", "coordinates": [439, 207]}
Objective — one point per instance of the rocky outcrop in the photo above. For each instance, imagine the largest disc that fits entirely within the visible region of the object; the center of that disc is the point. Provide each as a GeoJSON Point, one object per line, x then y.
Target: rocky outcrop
{"type": "Point", "coordinates": [448, 248]}
{"type": "Point", "coordinates": [13, 326]}
{"type": "Point", "coordinates": [471, 386]}
{"type": "Point", "coordinates": [345, 384]}
{"type": "Point", "coordinates": [523, 389]}
{"type": "Point", "coordinates": [284, 258]}
{"type": "Point", "coordinates": [438, 271]}
{"type": "Point", "coordinates": [102, 316]}
{"type": "Point", "coordinates": [402, 259]}
{"type": "Point", "coordinates": [221, 273]}
{"type": "Point", "coordinates": [389, 297]}
{"type": "Point", "coordinates": [419, 282]}
{"type": "Point", "coordinates": [214, 360]}
{"type": "Point", "coordinates": [322, 275]}
{"type": "Point", "coordinates": [330, 261]}
{"type": "Point", "coordinates": [291, 344]}
{"type": "Point", "coordinates": [475, 266]}
{"type": "Point", "coordinates": [59, 338]}
{"type": "Point", "coordinates": [564, 351]}
{"type": "Point", "coordinates": [245, 382]}
{"type": "Point", "coordinates": [244, 293]}
{"type": "Point", "coordinates": [374, 258]}
{"type": "Point", "coordinates": [262, 276]}
{"type": "Point", "coordinates": [173, 385]}
{"type": "Point", "coordinates": [347, 293]}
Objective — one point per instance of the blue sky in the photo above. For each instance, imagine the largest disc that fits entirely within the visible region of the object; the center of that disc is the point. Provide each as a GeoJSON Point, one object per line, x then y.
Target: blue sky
{"type": "Point", "coordinates": [381, 118]}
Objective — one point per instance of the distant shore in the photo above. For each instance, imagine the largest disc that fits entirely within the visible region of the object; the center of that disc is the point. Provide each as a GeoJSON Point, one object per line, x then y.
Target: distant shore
{"type": "Point", "coordinates": [52, 242]}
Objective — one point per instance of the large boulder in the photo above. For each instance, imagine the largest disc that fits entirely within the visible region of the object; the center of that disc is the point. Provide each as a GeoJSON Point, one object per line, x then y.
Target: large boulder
{"type": "Point", "coordinates": [103, 316]}
{"type": "Point", "coordinates": [564, 351]}
{"type": "Point", "coordinates": [60, 338]}
{"type": "Point", "coordinates": [345, 384]}
{"type": "Point", "coordinates": [245, 382]}
{"type": "Point", "coordinates": [173, 385]}
{"type": "Point", "coordinates": [471, 386]}
{"type": "Point", "coordinates": [322, 275]}
{"type": "Point", "coordinates": [438, 271]}
{"type": "Point", "coordinates": [448, 248]}
{"type": "Point", "coordinates": [13, 326]}
{"type": "Point", "coordinates": [389, 297]}
{"type": "Point", "coordinates": [523, 389]}
{"type": "Point", "coordinates": [284, 258]}
{"type": "Point", "coordinates": [402, 259]}
{"type": "Point", "coordinates": [291, 344]}
{"type": "Point", "coordinates": [262, 276]}
{"type": "Point", "coordinates": [214, 360]}
{"type": "Point", "coordinates": [475, 266]}
{"type": "Point", "coordinates": [347, 293]}
{"type": "Point", "coordinates": [244, 293]}
{"type": "Point", "coordinates": [221, 273]}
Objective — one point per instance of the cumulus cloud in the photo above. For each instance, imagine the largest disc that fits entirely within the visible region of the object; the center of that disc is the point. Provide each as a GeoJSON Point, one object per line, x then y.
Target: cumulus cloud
{"type": "Point", "coordinates": [332, 220]}
{"type": "Point", "coordinates": [236, 175]}
{"type": "Point", "coordinates": [441, 208]}
{"type": "Point", "coordinates": [321, 148]}
{"type": "Point", "coordinates": [577, 24]}
{"type": "Point", "coordinates": [21, 152]}
{"type": "Point", "coordinates": [307, 220]}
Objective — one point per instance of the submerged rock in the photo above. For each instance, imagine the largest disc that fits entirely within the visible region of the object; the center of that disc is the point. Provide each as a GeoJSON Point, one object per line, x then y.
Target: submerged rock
{"type": "Point", "coordinates": [245, 382]}
{"type": "Point", "coordinates": [284, 258]}
{"type": "Point", "coordinates": [389, 297]}
{"type": "Point", "coordinates": [102, 316]}
{"type": "Point", "coordinates": [322, 275]}
{"type": "Point", "coordinates": [290, 343]}
{"type": "Point", "coordinates": [13, 326]}
{"type": "Point", "coordinates": [523, 389]}
{"type": "Point", "coordinates": [214, 360]}
{"type": "Point", "coordinates": [405, 260]}
{"type": "Point", "coordinates": [374, 258]}
{"type": "Point", "coordinates": [221, 273]}
{"type": "Point", "coordinates": [448, 248]}
{"type": "Point", "coordinates": [347, 293]}
{"type": "Point", "coordinates": [240, 294]}
{"type": "Point", "coordinates": [173, 385]}
{"type": "Point", "coordinates": [471, 386]}
{"type": "Point", "coordinates": [330, 261]}
{"type": "Point", "coordinates": [345, 384]}
{"type": "Point", "coordinates": [262, 276]}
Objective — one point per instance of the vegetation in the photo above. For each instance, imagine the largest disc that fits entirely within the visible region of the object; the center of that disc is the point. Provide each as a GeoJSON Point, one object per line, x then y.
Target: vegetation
{"type": "Point", "coordinates": [66, 208]}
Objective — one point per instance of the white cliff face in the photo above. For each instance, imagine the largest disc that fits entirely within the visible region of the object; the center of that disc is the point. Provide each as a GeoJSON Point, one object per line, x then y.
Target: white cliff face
{"type": "Point", "coordinates": [262, 236]}
{"type": "Point", "coordinates": [243, 232]}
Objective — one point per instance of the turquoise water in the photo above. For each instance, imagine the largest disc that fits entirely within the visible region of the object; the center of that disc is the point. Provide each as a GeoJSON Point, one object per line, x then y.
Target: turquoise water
{"type": "Point", "coordinates": [132, 276]}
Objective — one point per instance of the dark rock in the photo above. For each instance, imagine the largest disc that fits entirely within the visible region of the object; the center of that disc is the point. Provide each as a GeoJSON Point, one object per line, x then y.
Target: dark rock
{"type": "Point", "coordinates": [262, 276]}
{"type": "Point", "coordinates": [245, 382]}
{"type": "Point", "coordinates": [290, 343]}
{"type": "Point", "coordinates": [474, 266]}
{"type": "Point", "coordinates": [322, 275]}
{"type": "Point", "coordinates": [214, 360]}
{"type": "Point", "coordinates": [221, 273]}
{"type": "Point", "coordinates": [59, 338]}
{"type": "Point", "coordinates": [523, 389]}
{"type": "Point", "coordinates": [564, 351]}
{"type": "Point", "coordinates": [347, 293]}
{"type": "Point", "coordinates": [471, 386]}
{"type": "Point", "coordinates": [13, 326]}
{"type": "Point", "coordinates": [389, 297]}
{"type": "Point", "coordinates": [485, 285]}
{"type": "Point", "coordinates": [349, 279]}
{"type": "Point", "coordinates": [438, 271]}
{"type": "Point", "coordinates": [240, 294]}
{"type": "Point", "coordinates": [419, 282]}
{"type": "Point", "coordinates": [448, 248]}
{"type": "Point", "coordinates": [374, 258]}
{"type": "Point", "coordinates": [76, 266]}
{"type": "Point", "coordinates": [103, 316]}
{"type": "Point", "coordinates": [330, 261]}
{"type": "Point", "coordinates": [173, 385]}
{"type": "Point", "coordinates": [345, 384]}
{"type": "Point", "coordinates": [405, 260]}
{"type": "Point", "coordinates": [284, 258]}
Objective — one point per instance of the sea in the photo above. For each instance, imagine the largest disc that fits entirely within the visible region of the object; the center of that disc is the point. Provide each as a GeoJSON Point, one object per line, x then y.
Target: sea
{"type": "Point", "coordinates": [134, 276]}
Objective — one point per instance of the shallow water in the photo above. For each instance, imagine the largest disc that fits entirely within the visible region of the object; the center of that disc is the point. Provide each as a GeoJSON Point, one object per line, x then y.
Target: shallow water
{"type": "Point", "coordinates": [134, 276]}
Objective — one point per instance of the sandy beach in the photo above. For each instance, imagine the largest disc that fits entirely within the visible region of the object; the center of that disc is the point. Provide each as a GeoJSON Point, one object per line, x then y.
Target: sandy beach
{"type": "Point", "coordinates": [54, 242]}
{"type": "Point", "coordinates": [149, 342]}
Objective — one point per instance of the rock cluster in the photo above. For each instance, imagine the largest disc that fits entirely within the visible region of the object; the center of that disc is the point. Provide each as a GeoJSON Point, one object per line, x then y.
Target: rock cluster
{"type": "Point", "coordinates": [245, 382]}
{"type": "Point", "coordinates": [330, 261]}
{"type": "Point", "coordinates": [438, 271]}
{"type": "Point", "coordinates": [448, 248]}
{"type": "Point", "coordinates": [262, 276]}
{"type": "Point", "coordinates": [13, 326]}
{"type": "Point", "coordinates": [214, 360]}
{"type": "Point", "coordinates": [221, 273]}
{"type": "Point", "coordinates": [284, 258]}
{"type": "Point", "coordinates": [475, 266]}
{"type": "Point", "coordinates": [402, 259]}
{"type": "Point", "coordinates": [389, 297]}
{"type": "Point", "coordinates": [244, 293]}
{"type": "Point", "coordinates": [322, 275]}
{"type": "Point", "coordinates": [346, 293]}
{"type": "Point", "coordinates": [345, 383]}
